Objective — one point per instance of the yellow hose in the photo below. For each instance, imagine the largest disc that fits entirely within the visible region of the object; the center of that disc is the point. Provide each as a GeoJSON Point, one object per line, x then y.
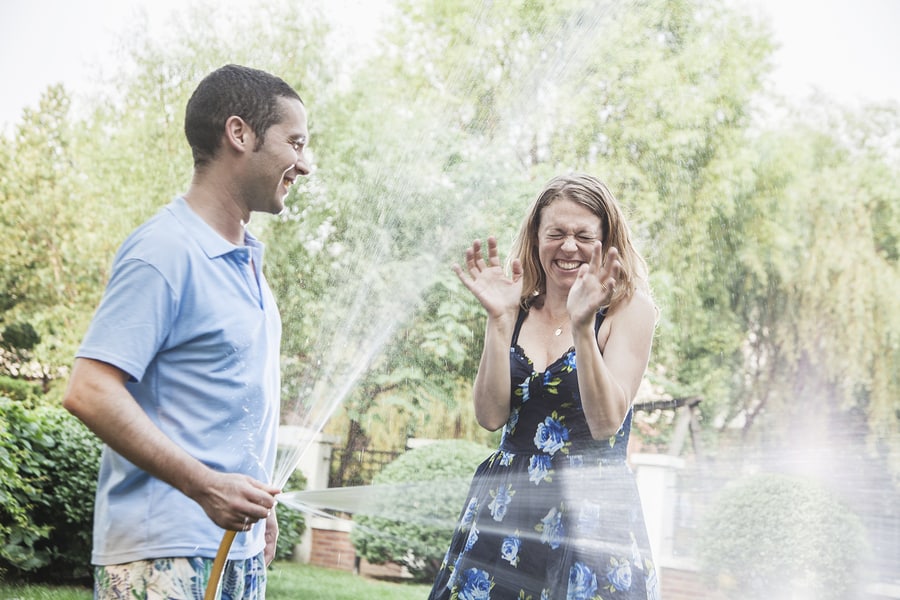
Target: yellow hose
{"type": "Point", "coordinates": [212, 588]}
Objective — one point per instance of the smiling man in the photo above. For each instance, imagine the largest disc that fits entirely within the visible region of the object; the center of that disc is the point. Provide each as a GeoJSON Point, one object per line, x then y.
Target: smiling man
{"type": "Point", "coordinates": [179, 371]}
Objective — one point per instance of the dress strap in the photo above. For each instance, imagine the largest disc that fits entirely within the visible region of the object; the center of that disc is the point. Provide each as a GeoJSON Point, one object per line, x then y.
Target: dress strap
{"type": "Point", "coordinates": [519, 320]}
{"type": "Point", "coordinates": [598, 320]}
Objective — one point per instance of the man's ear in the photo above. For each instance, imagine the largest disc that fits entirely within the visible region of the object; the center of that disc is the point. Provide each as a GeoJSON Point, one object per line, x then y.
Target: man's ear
{"type": "Point", "coordinates": [238, 134]}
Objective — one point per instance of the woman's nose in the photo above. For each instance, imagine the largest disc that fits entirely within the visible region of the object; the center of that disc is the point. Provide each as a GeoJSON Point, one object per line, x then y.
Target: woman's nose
{"type": "Point", "coordinates": [569, 243]}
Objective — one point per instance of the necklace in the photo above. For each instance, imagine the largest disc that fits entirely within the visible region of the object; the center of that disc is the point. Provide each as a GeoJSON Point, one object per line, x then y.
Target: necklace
{"type": "Point", "coordinates": [558, 331]}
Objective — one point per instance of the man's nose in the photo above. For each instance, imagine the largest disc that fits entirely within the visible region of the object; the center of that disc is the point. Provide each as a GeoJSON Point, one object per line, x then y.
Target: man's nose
{"type": "Point", "coordinates": [302, 166]}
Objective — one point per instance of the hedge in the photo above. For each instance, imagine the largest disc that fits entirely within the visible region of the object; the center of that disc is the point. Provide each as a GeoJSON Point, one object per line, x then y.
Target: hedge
{"type": "Point", "coordinates": [769, 536]}
{"type": "Point", "coordinates": [48, 474]}
{"type": "Point", "coordinates": [417, 500]}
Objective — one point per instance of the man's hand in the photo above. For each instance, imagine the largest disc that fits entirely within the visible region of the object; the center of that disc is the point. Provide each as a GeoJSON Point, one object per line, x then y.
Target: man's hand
{"type": "Point", "coordinates": [271, 537]}
{"type": "Point", "coordinates": [233, 501]}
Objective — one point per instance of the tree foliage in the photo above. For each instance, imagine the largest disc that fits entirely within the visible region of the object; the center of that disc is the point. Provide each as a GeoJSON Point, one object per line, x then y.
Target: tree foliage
{"type": "Point", "coordinates": [773, 249]}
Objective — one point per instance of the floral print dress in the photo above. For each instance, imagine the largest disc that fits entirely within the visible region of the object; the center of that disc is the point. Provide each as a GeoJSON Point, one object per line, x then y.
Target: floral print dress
{"type": "Point", "coordinates": [553, 514]}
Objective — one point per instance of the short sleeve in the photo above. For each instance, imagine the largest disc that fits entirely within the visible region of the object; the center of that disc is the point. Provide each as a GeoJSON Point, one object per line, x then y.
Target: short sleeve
{"type": "Point", "coordinates": [133, 320]}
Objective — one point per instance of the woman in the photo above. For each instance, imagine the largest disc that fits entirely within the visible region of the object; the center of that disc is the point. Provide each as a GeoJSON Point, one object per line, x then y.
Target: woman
{"type": "Point", "coordinates": [554, 513]}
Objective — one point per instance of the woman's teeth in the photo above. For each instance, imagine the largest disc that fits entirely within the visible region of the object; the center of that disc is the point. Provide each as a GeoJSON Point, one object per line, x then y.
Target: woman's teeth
{"type": "Point", "coordinates": [567, 266]}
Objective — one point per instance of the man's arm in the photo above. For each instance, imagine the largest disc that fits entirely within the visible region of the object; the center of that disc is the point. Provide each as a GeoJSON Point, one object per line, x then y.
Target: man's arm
{"type": "Point", "coordinates": [97, 396]}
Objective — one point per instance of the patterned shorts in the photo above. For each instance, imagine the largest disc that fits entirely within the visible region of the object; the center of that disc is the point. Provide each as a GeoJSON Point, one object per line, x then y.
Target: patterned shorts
{"type": "Point", "coordinates": [179, 579]}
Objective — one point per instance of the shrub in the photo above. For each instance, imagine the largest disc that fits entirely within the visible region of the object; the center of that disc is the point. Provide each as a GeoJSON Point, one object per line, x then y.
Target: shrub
{"type": "Point", "coordinates": [418, 498]}
{"type": "Point", "coordinates": [48, 473]}
{"type": "Point", "coordinates": [291, 523]}
{"type": "Point", "coordinates": [26, 392]}
{"type": "Point", "coordinates": [19, 337]}
{"type": "Point", "coordinates": [771, 536]}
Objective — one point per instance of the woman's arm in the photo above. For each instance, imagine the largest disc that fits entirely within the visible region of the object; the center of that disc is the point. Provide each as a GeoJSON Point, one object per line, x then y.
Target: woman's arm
{"type": "Point", "coordinates": [609, 380]}
{"type": "Point", "coordinates": [491, 391]}
{"type": "Point", "coordinates": [499, 295]}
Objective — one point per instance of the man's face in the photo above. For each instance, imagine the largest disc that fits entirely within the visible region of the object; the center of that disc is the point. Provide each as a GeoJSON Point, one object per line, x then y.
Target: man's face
{"type": "Point", "coordinates": [281, 159]}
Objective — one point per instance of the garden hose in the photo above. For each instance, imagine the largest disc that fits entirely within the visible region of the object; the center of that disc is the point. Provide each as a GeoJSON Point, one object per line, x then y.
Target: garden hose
{"type": "Point", "coordinates": [215, 575]}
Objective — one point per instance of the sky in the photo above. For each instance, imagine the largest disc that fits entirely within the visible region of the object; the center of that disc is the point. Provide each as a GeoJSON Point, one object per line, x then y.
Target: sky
{"type": "Point", "coordinates": [847, 48]}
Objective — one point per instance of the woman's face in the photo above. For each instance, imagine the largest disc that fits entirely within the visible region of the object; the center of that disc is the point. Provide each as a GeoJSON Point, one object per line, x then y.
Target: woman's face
{"type": "Point", "coordinates": [566, 239]}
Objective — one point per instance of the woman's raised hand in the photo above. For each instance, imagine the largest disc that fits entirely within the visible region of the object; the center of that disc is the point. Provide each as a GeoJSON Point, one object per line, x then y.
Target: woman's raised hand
{"type": "Point", "coordinates": [595, 284]}
{"type": "Point", "coordinates": [486, 280]}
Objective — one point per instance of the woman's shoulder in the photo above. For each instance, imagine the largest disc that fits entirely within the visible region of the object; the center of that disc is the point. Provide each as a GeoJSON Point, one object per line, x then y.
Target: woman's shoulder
{"type": "Point", "coordinates": [637, 313]}
{"type": "Point", "coordinates": [639, 305]}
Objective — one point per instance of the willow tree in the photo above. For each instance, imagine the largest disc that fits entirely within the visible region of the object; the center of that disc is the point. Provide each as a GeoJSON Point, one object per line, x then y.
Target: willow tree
{"type": "Point", "coordinates": [832, 355]}
{"type": "Point", "coordinates": [653, 97]}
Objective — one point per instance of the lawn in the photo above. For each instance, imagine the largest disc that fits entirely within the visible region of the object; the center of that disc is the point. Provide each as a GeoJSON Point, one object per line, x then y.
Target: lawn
{"type": "Point", "coordinates": [287, 581]}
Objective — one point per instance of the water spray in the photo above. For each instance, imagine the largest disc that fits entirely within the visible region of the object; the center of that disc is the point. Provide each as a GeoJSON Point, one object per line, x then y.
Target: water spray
{"type": "Point", "coordinates": [396, 301]}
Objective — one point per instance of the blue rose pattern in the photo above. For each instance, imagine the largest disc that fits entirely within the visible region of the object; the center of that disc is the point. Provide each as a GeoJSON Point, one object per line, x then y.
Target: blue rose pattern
{"type": "Point", "coordinates": [510, 427]}
{"type": "Point", "coordinates": [523, 389]}
{"type": "Point", "coordinates": [551, 384]}
{"type": "Point", "coordinates": [588, 519]}
{"type": "Point", "coordinates": [582, 583]}
{"type": "Point", "coordinates": [619, 575]}
{"type": "Point", "coordinates": [551, 435]}
{"type": "Point", "coordinates": [539, 469]}
{"type": "Point", "coordinates": [473, 537]}
{"type": "Point", "coordinates": [542, 408]}
{"type": "Point", "coordinates": [469, 515]}
{"type": "Point", "coordinates": [502, 498]}
{"type": "Point", "coordinates": [509, 549]}
{"type": "Point", "coordinates": [477, 585]}
{"type": "Point", "coordinates": [551, 528]}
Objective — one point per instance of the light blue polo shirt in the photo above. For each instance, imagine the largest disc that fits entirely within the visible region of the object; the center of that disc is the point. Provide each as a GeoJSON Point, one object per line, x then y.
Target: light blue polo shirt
{"type": "Point", "coordinates": [200, 337]}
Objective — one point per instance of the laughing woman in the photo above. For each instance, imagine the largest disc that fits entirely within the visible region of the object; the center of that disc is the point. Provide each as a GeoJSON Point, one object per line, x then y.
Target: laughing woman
{"type": "Point", "coordinates": [554, 513]}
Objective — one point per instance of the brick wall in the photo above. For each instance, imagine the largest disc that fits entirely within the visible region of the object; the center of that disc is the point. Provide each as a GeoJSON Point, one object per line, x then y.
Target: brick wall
{"type": "Point", "coordinates": [332, 548]}
{"type": "Point", "coordinates": [685, 584]}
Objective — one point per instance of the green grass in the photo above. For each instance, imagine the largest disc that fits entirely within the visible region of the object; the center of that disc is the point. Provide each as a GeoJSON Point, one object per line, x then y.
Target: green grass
{"type": "Point", "coordinates": [9, 591]}
{"type": "Point", "coordinates": [287, 581]}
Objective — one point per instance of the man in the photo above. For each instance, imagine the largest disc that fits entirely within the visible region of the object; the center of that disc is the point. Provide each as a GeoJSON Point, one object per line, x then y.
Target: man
{"type": "Point", "coordinates": [179, 371]}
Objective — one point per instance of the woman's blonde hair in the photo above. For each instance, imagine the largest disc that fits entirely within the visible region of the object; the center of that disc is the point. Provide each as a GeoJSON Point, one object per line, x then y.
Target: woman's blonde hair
{"type": "Point", "coordinates": [590, 192]}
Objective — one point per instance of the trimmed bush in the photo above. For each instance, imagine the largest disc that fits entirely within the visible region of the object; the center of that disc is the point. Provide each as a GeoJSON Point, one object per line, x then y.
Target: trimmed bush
{"type": "Point", "coordinates": [771, 536]}
{"type": "Point", "coordinates": [19, 337]}
{"type": "Point", "coordinates": [416, 501]}
{"type": "Point", "coordinates": [291, 523]}
{"type": "Point", "coordinates": [25, 392]}
{"type": "Point", "coordinates": [48, 475]}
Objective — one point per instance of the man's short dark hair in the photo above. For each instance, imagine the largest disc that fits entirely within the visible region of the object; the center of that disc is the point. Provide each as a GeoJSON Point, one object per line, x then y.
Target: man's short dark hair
{"type": "Point", "coordinates": [232, 90]}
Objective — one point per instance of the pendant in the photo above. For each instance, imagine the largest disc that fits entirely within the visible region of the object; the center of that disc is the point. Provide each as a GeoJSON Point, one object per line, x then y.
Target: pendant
{"type": "Point", "coordinates": [558, 331]}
